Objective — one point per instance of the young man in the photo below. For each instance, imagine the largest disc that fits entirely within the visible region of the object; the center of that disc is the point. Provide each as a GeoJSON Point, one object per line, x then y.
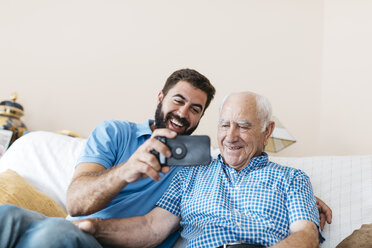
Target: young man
{"type": "Point", "coordinates": [117, 175]}
{"type": "Point", "coordinates": [240, 200]}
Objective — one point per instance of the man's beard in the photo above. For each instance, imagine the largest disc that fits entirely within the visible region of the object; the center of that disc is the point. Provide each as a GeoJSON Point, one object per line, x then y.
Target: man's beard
{"type": "Point", "coordinates": [160, 121]}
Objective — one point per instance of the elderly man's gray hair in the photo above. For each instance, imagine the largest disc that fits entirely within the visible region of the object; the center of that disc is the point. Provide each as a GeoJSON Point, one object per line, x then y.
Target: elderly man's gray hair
{"type": "Point", "coordinates": [264, 109]}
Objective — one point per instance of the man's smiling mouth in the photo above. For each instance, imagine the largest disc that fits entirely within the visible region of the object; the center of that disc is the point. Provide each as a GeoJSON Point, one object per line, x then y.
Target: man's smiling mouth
{"type": "Point", "coordinates": [234, 148]}
{"type": "Point", "coordinates": [176, 123]}
{"type": "Point", "coordinates": [177, 126]}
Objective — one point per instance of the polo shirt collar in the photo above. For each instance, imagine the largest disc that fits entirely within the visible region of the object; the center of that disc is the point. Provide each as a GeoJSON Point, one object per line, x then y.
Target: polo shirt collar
{"type": "Point", "coordinates": [144, 128]}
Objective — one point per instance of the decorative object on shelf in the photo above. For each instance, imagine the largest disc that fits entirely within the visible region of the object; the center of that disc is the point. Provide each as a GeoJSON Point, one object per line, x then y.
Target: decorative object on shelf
{"type": "Point", "coordinates": [10, 114]}
{"type": "Point", "coordinates": [280, 138]}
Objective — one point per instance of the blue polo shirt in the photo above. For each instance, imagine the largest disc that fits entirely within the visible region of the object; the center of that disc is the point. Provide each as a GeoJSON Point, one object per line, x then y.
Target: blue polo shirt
{"type": "Point", "coordinates": [112, 143]}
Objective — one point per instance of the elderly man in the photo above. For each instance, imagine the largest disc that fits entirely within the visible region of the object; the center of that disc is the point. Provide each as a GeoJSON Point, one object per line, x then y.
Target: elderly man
{"type": "Point", "coordinates": [240, 200]}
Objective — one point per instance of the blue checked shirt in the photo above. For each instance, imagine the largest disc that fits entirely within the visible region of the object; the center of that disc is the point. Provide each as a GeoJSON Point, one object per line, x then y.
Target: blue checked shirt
{"type": "Point", "coordinates": [217, 205]}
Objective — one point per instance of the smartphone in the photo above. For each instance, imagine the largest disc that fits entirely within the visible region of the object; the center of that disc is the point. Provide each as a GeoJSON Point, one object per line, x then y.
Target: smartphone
{"type": "Point", "coordinates": [187, 150]}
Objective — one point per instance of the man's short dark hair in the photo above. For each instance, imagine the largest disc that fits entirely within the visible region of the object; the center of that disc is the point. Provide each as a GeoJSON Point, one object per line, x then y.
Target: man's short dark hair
{"type": "Point", "coordinates": [195, 79]}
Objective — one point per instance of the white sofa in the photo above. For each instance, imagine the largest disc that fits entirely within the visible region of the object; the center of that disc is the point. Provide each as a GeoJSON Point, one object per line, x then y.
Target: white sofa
{"type": "Point", "coordinates": [47, 161]}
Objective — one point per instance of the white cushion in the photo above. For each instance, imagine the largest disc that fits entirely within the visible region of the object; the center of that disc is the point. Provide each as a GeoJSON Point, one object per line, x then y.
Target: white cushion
{"type": "Point", "coordinates": [46, 160]}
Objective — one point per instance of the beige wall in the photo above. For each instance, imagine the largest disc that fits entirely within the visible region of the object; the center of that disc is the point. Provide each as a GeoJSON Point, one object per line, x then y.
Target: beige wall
{"type": "Point", "coordinates": [346, 110]}
{"type": "Point", "coordinates": [77, 63]}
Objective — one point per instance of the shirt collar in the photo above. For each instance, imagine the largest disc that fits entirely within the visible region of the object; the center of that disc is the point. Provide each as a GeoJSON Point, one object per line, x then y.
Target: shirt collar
{"type": "Point", "coordinates": [144, 128]}
{"type": "Point", "coordinates": [255, 163]}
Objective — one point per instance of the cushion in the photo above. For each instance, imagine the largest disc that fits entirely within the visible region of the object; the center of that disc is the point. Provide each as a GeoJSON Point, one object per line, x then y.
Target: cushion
{"type": "Point", "coordinates": [361, 238]}
{"type": "Point", "coordinates": [46, 160]}
{"type": "Point", "coordinates": [17, 191]}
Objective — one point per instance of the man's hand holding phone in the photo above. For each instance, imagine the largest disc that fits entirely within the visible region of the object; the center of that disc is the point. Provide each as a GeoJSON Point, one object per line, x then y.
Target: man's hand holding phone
{"type": "Point", "coordinates": [143, 163]}
{"type": "Point", "coordinates": [186, 150]}
{"type": "Point", "coordinates": [165, 149]}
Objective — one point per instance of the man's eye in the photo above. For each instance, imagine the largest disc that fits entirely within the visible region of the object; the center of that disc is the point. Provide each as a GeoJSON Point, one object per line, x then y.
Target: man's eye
{"type": "Point", "coordinates": [195, 110]}
{"type": "Point", "coordinates": [244, 127]}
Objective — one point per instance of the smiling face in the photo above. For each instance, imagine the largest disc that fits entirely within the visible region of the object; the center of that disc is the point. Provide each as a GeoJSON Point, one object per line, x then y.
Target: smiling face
{"type": "Point", "coordinates": [240, 136]}
{"type": "Point", "coordinates": [181, 109]}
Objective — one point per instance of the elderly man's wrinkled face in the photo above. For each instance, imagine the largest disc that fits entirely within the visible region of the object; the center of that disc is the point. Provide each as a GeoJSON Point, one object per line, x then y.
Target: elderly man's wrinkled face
{"type": "Point", "coordinates": [240, 136]}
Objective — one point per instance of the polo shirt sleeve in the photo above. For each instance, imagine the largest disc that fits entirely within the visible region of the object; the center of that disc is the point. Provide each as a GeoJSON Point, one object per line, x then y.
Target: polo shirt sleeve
{"type": "Point", "coordinates": [103, 143]}
{"type": "Point", "coordinates": [171, 199]}
{"type": "Point", "coordinates": [301, 202]}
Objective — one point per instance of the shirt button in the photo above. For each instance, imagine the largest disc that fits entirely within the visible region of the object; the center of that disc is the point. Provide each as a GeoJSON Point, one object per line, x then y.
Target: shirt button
{"type": "Point", "coordinates": [236, 187]}
{"type": "Point", "coordinates": [238, 224]}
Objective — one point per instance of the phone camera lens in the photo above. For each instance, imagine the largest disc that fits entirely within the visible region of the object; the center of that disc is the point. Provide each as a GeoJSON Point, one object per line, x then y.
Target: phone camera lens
{"type": "Point", "coordinates": [178, 152]}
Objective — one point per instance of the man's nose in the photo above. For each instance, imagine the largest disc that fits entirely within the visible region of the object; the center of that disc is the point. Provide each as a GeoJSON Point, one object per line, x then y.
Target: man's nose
{"type": "Point", "coordinates": [182, 111]}
{"type": "Point", "coordinates": [232, 133]}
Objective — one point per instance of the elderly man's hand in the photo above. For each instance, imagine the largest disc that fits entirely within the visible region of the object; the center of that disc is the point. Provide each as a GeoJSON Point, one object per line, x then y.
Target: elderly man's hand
{"type": "Point", "coordinates": [88, 225]}
{"type": "Point", "coordinates": [325, 213]}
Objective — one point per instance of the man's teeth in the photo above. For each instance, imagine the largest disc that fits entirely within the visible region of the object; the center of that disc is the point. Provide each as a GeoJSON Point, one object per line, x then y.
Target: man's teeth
{"type": "Point", "coordinates": [177, 123]}
{"type": "Point", "coordinates": [234, 148]}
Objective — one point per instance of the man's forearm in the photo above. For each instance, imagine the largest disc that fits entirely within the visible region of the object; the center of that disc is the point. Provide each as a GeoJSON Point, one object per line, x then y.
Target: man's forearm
{"type": "Point", "coordinates": [93, 191]}
{"type": "Point", "coordinates": [129, 232]}
{"type": "Point", "coordinates": [301, 239]}
{"type": "Point", "coordinates": [142, 231]}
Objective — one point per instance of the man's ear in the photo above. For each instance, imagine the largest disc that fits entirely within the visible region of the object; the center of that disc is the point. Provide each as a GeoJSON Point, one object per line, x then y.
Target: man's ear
{"type": "Point", "coordinates": [160, 96]}
{"type": "Point", "coordinates": [269, 130]}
